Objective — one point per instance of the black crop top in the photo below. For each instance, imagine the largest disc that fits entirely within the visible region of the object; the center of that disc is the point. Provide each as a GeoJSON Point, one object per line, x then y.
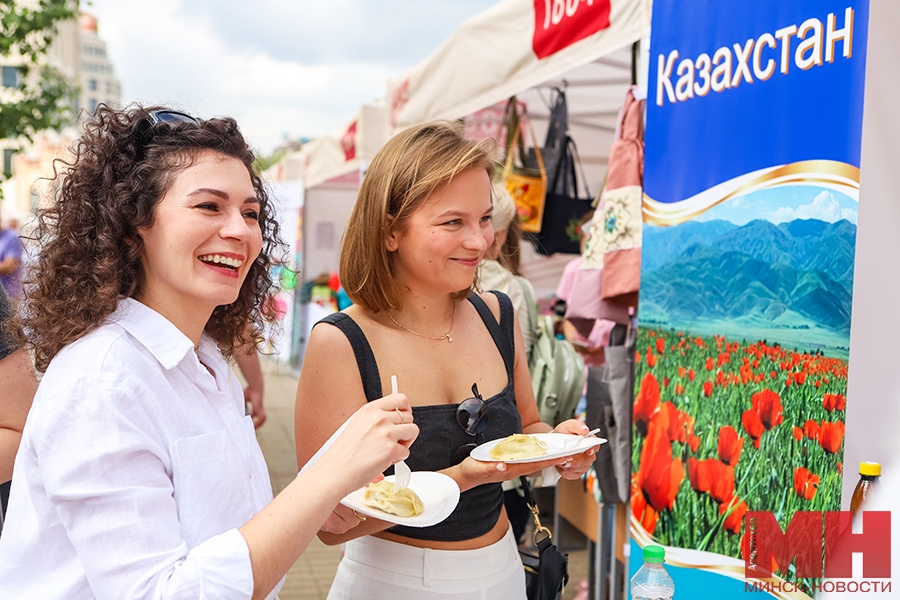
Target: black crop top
{"type": "Point", "coordinates": [439, 433]}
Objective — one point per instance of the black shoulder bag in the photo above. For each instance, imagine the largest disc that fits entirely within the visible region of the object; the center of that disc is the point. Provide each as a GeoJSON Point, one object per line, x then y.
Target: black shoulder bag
{"type": "Point", "coordinates": [564, 206]}
{"type": "Point", "coordinates": [546, 574]}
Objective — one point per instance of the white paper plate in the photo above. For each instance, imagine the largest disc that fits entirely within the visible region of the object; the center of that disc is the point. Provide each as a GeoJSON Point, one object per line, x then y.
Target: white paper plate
{"type": "Point", "coordinates": [558, 446]}
{"type": "Point", "coordinates": [438, 492]}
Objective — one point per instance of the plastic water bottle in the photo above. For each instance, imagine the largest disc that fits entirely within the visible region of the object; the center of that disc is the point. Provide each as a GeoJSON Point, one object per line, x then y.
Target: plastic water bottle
{"type": "Point", "coordinates": [652, 582]}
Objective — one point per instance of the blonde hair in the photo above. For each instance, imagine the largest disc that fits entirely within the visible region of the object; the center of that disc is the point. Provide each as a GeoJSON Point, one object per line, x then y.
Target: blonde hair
{"type": "Point", "coordinates": [403, 174]}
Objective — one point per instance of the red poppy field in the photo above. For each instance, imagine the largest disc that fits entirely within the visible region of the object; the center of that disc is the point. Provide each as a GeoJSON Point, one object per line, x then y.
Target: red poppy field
{"type": "Point", "coordinates": [724, 426]}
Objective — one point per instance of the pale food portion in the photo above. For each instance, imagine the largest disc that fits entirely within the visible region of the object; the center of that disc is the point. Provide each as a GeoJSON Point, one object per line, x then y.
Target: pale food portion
{"type": "Point", "coordinates": [405, 503]}
{"type": "Point", "coordinates": [518, 445]}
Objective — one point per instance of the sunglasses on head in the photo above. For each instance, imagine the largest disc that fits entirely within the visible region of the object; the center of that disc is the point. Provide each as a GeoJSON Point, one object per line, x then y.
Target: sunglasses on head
{"type": "Point", "coordinates": [170, 116]}
{"type": "Point", "coordinates": [472, 417]}
{"type": "Point", "coordinates": [144, 132]}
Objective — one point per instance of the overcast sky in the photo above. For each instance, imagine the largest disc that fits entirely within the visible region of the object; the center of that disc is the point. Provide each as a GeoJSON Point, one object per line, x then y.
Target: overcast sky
{"type": "Point", "coordinates": [280, 67]}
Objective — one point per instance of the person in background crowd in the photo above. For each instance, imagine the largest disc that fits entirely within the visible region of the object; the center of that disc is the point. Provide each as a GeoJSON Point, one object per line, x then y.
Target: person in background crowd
{"type": "Point", "coordinates": [323, 291]}
{"type": "Point", "coordinates": [11, 252]}
{"type": "Point", "coordinates": [138, 474]}
{"type": "Point", "coordinates": [247, 360]}
{"type": "Point", "coordinates": [420, 227]}
{"type": "Point", "coordinates": [18, 384]}
{"type": "Point", "coordinates": [500, 269]}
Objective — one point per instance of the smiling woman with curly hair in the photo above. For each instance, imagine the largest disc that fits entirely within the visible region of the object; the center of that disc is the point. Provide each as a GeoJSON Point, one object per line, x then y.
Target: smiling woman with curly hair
{"type": "Point", "coordinates": [90, 241]}
{"type": "Point", "coordinates": [138, 473]}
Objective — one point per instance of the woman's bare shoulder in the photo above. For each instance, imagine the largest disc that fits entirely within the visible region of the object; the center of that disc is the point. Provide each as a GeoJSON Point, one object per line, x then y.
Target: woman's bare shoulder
{"type": "Point", "coordinates": [329, 349]}
{"type": "Point", "coordinates": [326, 338]}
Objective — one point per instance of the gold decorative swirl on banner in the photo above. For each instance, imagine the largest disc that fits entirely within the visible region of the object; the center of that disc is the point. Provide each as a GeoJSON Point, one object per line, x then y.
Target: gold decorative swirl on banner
{"type": "Point", "coordinates": [828, 172]}
{"type": "Point", "coordinates": [694, 559]}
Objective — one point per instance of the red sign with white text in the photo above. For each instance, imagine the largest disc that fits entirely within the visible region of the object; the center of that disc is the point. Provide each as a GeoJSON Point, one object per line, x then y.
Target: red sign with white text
{"type": "Point", "coordinates": [398, 101]}
{"type": "Point", "coordinates": [560, 23]}
{"type": "Point", "coordinates": [348, 142]}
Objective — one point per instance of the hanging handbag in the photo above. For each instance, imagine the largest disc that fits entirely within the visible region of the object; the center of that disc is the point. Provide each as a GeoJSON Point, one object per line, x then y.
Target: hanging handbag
{"type": "Point", "coordinates": [557, 133]}
{"type": "Point", "coordinates": [527, 188]}
{"type": "Point", "coordinates": [564, 207]}
{"type": "Point", "coordinates": [546, 574]}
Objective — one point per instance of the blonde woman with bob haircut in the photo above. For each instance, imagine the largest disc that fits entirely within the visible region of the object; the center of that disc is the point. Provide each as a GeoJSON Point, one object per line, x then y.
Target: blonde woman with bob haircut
{"type": "Point", "coordinates": [420, 227]}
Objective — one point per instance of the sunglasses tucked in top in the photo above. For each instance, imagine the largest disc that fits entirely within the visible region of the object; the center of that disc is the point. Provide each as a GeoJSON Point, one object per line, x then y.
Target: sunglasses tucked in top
{"type": "Point", "coordinates": [472, 417]}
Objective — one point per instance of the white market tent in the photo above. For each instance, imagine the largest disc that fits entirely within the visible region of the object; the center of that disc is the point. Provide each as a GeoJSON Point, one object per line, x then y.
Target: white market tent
{"type": "Point", "coordinates": [492, 56]}
{"type": "Point", "coordinates": [345, 150]}
{"type": "Point", "coordinates": [329, 168]}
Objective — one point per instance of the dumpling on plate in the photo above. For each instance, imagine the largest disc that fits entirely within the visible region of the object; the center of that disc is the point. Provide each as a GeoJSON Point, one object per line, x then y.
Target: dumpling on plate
{"type": "Point", "coordinates": [518, 445]}
{"type": "Point", "coordinates": [404, 503]}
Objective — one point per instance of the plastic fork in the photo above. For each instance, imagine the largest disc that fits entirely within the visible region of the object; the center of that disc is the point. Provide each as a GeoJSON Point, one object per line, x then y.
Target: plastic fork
{"type": "Point", "coordinates": [571, 443]}
{"type": "Point", "coordinates": [402, 474]}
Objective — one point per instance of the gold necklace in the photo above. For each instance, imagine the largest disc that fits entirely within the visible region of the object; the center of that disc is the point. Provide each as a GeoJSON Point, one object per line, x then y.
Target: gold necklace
{"type": "Point", "coordinates": [446, 336]}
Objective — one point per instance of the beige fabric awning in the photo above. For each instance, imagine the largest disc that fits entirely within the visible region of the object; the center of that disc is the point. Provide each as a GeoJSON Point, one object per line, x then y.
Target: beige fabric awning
{"type": "Point", "coordinates": [514, 46]}
{"type": "Point", "coordinates": [339, 152]}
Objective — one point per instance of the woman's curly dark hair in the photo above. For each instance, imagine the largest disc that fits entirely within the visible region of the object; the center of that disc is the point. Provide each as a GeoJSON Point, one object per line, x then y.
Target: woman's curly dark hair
{"type": "Point", "coordinates": [88, 241]}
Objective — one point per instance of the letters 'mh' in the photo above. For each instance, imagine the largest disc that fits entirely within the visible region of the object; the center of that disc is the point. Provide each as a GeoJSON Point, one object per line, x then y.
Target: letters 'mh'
{"type": "Point", "coordinates": [814, 536]}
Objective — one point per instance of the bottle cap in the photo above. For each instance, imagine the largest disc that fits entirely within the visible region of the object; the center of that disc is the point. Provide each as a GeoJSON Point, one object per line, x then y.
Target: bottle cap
{"type": "Point", "coordinates": [870, 468]}
{"type": "Point", "coordinates": [654, 554]}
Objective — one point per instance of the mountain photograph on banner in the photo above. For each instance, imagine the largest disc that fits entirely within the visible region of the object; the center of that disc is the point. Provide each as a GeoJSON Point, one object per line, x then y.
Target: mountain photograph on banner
{"type": "Point", "coordinates": [751, 193]}
{"type": "Point", "coordinates": [787, 281]}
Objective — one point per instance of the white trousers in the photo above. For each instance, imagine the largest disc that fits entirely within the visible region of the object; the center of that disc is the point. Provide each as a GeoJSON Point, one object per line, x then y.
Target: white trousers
{"type": "Point", "coordinates": [376, 569]}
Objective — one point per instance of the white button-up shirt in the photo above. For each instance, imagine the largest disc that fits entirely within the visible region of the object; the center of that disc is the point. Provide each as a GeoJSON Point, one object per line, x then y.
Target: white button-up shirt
{"type": "Point", "coordinates": [136, 468]}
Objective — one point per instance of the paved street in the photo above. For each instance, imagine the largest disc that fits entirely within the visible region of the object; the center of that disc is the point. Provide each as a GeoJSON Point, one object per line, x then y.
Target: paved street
{"type": "Point", "coordinates": [310, 578]}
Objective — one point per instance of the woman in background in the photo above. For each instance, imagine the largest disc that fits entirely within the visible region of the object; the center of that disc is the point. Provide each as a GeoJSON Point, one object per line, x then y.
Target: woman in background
{"type": "Point", "coordinates": [138, 474]}
{"type": "Point", "coordinates": [19, 384]}
{"type": "Point", "coordinates": [500, 269]}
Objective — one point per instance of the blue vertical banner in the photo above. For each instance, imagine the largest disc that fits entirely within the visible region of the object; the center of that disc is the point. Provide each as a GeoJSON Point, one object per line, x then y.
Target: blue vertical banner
{"type": "Point", "coordinates": [751, 193]}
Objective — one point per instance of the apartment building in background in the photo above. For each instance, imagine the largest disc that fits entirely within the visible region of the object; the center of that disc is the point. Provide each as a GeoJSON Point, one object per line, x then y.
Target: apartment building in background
{"type": "Point", "coordinates": [81, 56]}
{"type": "Point", "coordinates": [99, 84]}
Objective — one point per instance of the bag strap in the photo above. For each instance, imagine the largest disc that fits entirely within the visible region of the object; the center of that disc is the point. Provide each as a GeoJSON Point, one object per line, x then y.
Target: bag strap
{"type": "Point", "coordinates": [537, 151]}
{"type": "Point", "coordinates": [503, 345]}
{"type": "Point", "coordinates": [530, 303]}
{"type": "Point", "coordinates": [510, 155]}
{"type": "Point", "coordinates": [559, 122]}
{"type": "Point", "coordinates": [577, 160]}
{"type": "Point", "coordinates": [511, 120]}
{"type": "Point", "coordinates": [565, 172]}
{"type": "Point", "coordinates": [535, 514]}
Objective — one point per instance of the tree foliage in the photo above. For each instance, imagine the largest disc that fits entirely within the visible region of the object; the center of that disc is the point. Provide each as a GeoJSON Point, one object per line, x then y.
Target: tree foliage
{"type": "Point", "coordinates": [264, 162]}
{"type": "Point", "coordinates": [43, 101]}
